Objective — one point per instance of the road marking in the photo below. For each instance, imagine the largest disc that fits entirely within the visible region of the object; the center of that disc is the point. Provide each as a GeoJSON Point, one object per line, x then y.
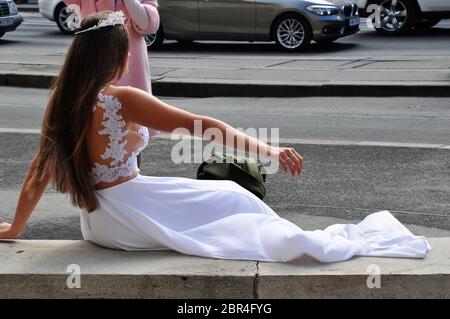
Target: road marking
{"type": "Point", "coordinates": [41, 23]}
{"type": "Point", "coordinates": [166, 136]}
{"type": "Point", "coordinates": [339, 142]}
{"type": "Point", "coordinates": [19, 130]}
{"type": "Point", "coordinates": [21, 105]}
{"type": "Point", "coordinates": [362, 143]}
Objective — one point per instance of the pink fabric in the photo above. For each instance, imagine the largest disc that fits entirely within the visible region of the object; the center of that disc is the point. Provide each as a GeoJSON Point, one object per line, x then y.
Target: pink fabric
{"type": "Point", "coordinates": [139, 69]}
{"type": "Point", "coordinates": [139, 72]}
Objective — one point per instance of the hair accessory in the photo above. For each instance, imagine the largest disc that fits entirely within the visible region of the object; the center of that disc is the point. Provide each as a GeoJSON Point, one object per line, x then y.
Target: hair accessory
{"type": "Point", "coordinates": [115, 18]}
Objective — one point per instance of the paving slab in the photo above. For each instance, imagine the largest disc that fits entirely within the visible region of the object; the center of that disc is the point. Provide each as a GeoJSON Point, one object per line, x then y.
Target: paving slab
{"type": "Point", "coordinates": [360, 277]}
{"type": "Point", "coordinates": [79, 269]}
{"type": "Point", "coordinates": [208, 75]}
{"type": "Point", "coordinates": [41, 269]}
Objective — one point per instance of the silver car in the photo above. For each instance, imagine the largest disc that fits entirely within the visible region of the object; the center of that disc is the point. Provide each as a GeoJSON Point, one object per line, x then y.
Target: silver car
{"type": "Point", "coordinates": [292, 24]}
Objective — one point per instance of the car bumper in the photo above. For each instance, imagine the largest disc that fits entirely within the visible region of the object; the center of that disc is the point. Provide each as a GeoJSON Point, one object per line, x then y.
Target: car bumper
{"type": "Point", "coordinates": [10, 23]}
{"type": "Point", "coordinates": [335, 27]}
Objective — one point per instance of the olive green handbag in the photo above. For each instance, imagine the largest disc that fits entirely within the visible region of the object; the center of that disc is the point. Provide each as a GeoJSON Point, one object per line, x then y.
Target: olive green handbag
{"type": "Point", "coordinates": [239, 169]}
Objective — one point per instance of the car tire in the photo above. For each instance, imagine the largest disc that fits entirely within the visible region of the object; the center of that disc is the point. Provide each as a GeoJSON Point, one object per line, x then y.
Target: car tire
{"type": "Point", "coordinates": [155, 41]}
{"type": "Point", "coordinates": [427, 23]}
{"type": "Point", "coordinates": [399, 21]}
{"type": "Point", "coordinates": [292, 32]}
{"type": "Point", "coordinates": [63, 19]}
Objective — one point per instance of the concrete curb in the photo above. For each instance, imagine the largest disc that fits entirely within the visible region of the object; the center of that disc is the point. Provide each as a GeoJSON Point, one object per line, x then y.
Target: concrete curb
{"type": "Point", "coordinates": [27, 8]}
{"type": "Point", "coordinates": [39, 269]}
{"type": "Point", "coordinates": [39, 81]}
{"type": "Point", "coordinates": [230, 89]}
{"type": "Point", "coordinates": [213, 88]}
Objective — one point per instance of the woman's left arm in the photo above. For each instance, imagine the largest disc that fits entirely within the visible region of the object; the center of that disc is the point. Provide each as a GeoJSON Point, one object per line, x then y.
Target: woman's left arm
{"type": "Point", "coordinates": [144, 15]}
{"type": "Point", "coordinates": [25, 206]}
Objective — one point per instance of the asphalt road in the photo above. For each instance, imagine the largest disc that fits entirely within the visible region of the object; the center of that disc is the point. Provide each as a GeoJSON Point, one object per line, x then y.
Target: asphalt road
{"type": "Point", "coordinates": [39, 36]}
{"type": "Point", "coordinates": [343, 181]}
{"type": "Point", "coordinates": [389, 120]}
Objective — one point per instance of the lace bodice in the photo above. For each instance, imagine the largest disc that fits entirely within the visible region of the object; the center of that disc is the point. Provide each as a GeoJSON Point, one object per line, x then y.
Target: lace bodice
{"type": "Point", "coordinates": [120, 163]}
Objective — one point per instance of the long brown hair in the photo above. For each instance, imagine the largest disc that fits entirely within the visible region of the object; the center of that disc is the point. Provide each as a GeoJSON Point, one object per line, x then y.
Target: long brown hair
{"type": "Point", "coordinates": [94, 59]}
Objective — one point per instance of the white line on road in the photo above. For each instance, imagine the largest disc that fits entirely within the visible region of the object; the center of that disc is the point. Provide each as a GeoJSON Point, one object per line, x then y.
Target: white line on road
{"type": "Point", "coordinates": [340, 142]}
{"type": "Point", "coordinates": [42, 23]}
{"type": "Point", "coordinates": [19, 105]}
{"type": "Point", "coordinates": [362, 143]}
{"type": "Point", "coordinates": [281, 141]}
{"type": "Point", "coordinates": [19, 130]}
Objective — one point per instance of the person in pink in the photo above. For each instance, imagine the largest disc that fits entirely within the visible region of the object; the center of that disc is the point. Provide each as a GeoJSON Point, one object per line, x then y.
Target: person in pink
{"type": "Point", "coordinates": [142, 18]}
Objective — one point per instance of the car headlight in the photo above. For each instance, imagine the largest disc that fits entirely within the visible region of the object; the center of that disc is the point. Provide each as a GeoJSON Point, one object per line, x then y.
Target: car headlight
{"type": "Point", "coordinates": [12, 7]}
{"type": "Point", "coordinates": [324, 10]}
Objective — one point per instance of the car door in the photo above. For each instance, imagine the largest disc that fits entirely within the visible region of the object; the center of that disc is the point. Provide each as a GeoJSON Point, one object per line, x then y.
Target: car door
{"type": "Point", "coordinates": [434, 5]}
{"type": "Point", "coordinates": [227, 19]}
{"type": "Point", "coordinates": [179, 18]}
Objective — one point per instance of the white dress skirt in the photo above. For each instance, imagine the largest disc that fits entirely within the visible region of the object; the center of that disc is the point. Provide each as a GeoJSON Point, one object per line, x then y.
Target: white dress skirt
{"type": "Point", "coordinates": [221, 219]}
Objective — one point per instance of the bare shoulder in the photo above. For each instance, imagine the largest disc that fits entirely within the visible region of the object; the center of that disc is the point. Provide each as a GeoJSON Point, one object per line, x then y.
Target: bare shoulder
{"type": "Point", "coordinates": [126, 93]}
{"type": "Point", "coordinates": [145, 109]}
{"type": "Point", "coordinates": [134, 102]}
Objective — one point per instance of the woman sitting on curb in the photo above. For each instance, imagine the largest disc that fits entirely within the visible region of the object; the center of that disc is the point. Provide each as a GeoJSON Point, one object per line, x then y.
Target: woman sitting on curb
{"type": "Point", "coordinates": [88, 149]}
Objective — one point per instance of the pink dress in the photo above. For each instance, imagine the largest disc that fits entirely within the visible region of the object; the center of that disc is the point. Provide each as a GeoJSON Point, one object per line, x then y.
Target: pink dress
{"type": "Point", "coordinates": [139, 69]}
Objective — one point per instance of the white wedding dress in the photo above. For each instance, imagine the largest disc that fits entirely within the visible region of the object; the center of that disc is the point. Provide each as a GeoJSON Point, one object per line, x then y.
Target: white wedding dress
{"type": "Point", "coordinates": [217, 219]}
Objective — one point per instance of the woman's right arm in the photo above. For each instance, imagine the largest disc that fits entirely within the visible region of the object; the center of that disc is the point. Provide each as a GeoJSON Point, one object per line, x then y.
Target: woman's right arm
{"type": "Point", "coordinates": [145, 109]}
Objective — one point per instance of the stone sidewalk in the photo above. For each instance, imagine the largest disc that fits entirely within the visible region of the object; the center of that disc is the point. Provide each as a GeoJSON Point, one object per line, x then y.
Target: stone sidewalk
{"type": "Point", "coordinates": [206, 76]}
{"type": "Point", "coordinates": [41, 269]}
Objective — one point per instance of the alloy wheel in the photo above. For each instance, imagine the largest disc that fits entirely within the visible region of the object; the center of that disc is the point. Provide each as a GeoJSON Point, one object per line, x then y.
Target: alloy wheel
{"type": "Point", "coordinates": [394, 14]}
{"type": "Point", "coordinates": [150, 39]}
{"type": "Point", "coordinates": [290, 33]}
{"type": "Point", "coordinates": [68, 19]}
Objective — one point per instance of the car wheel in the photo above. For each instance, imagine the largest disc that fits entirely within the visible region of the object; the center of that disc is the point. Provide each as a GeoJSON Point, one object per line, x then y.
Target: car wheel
{"type": "Point", "coordinates": [155, 40]}
{"type": "Point", "coordinates": [66, 19]}
{"type": "Point", "coordinates": [396, 17]}
{"type": "Point", "coordinates": [426, 24]}
{"type": "Point", "coordinates": [292, 32]}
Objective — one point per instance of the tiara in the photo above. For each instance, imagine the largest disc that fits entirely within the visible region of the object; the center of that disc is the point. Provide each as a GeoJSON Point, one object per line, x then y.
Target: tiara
{"type": "Point", "coordinates": [115, 18]}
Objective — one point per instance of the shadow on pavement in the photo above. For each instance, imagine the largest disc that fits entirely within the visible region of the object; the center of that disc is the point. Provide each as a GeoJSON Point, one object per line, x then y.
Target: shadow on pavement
{"type": "Point", "coordinates": [246, 47]}
{"type": "Point", "coordinates": [4, 41]}
{"type": "Point", "coordinates": [419, 34]}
